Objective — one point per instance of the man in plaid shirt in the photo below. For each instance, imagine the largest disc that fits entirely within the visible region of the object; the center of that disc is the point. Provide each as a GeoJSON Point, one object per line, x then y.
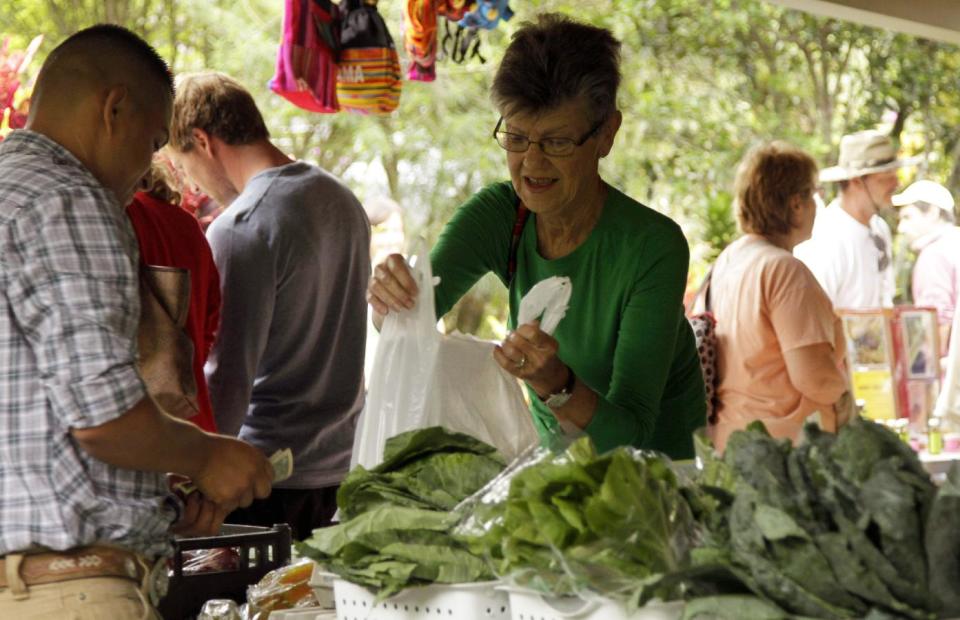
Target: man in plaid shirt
{"type": "Point", "coordinates": [84, 501]}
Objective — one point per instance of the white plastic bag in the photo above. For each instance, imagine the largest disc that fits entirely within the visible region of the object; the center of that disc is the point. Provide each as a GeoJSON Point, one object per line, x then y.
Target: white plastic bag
{"type": "Point", "coordinates": [423, 378]}
{"type": "Point", "coordinates": [547, 301]}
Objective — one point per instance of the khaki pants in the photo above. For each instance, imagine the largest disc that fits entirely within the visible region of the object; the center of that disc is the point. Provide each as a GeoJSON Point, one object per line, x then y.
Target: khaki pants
{"type": "Point", "coordinates": [92, 598]}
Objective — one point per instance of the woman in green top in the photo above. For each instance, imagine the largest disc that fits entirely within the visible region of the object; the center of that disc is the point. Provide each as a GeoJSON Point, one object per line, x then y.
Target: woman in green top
{"type": "Point", "coordinates": [622, 365]}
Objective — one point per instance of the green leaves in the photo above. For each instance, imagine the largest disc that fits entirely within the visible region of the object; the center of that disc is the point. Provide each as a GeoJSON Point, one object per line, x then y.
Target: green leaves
{"type": "Point", "coordinates": [833, 528]}
{"type": "Point", "coordinates": [943, 545]}
{"type": "Point", "coordinates": [396, 518]}
{"type": "Point", "coordinates": [429, 468]}
{"type": "Point", "coordinates": [611, 524]}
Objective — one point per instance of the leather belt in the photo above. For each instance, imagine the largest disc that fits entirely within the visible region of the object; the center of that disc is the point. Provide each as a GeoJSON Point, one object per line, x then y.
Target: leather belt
{"type": "Point", "coordinates": [79, 563]}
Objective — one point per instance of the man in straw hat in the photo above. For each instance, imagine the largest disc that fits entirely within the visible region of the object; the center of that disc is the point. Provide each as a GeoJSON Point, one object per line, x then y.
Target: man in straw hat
{"type": "Point", "coordinates": [927, 223]}
{"type": "Point", "coordinates": [850, 249]}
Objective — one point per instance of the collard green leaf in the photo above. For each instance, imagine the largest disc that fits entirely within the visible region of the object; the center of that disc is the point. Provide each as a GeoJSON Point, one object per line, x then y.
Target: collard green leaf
{"type": "Point", "coordinates": [775, 524]}
{"type": "Point", "coordinates": [788, 571]}
{"type": "Point", "coordinates": [832, 528]}
{"type": "Point", "coordinates": [733, 607]}
{"type": "Point", "coordinates": [328, 541]}
{"type": "Point", "coordinates": [445, 479]}
{"type": "Point", "coordinates": [414, 444]}
{"type": "Point", "coordinates": [760, 462]}
{"type": "Point", "coordinates": [397, 528]}
{"type": "Point", "coordinates": [862, 444]}
{"type": "Point", "coordinates": [943, 545]}
{"type": "Point", "coordinates": [894, 509]}
{"type": "Point", "coordinates": [859, 579]}
{"type": "Point", "coordinates": [430, 468]}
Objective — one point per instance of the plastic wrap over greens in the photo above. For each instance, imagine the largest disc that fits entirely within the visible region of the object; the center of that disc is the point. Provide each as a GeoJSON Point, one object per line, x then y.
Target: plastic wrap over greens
{"type": "Point", "coordinates": [838, 527]}
{"type": "Point", "coordinates": [397, 517]}
{"type": "Point", "coordinates": [579, 523]}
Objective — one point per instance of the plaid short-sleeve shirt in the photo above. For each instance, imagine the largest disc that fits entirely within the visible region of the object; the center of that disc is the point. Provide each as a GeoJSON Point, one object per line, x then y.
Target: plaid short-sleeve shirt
{"type": "Point", "coordinates": [68, 319]}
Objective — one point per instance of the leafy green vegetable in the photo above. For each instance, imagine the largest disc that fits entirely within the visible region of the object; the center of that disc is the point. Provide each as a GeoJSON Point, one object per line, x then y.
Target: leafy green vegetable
{"type": "Point", "coordinates": [733, 607]}
{"type": "Point", "coordinates": [397, 517]}
{"type": "Point", "coordinates": [943, 545]}
{"type": "Point", "coordinates": [430, 468]}
{"type": "Point", "coordinates": [612, 524]}
{"type": "Point", "coordinates": [416, 444]}
{"type": "Point", "coordinates": [833, 528]}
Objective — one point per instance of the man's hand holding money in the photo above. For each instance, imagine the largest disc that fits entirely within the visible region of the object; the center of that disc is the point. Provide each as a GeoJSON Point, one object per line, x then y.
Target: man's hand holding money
{"type": "Point", "coordinates": [202, 515]}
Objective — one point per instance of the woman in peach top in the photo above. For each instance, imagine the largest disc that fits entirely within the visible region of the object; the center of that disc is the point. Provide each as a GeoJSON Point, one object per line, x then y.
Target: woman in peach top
{"type": "Point", "coordinates": [781, 348]}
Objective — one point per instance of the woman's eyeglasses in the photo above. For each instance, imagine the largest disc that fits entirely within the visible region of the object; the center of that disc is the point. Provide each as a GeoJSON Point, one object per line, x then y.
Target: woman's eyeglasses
{"type": "Point", "coordinates": [554, 147]}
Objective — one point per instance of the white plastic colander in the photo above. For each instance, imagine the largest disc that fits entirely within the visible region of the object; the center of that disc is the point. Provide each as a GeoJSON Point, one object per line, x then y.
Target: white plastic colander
{"type": "Point", "coordinates": [531, 605]}
{"type": "Point", "coordinates": [468, 601]}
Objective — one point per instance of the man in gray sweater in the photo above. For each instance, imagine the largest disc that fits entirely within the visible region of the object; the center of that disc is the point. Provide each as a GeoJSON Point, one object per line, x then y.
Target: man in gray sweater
{"type": "Point", "coordinates": [293, 251]}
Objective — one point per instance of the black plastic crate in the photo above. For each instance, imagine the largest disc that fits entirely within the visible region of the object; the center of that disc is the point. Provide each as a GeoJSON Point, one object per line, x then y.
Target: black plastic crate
{"type": "Point", "coordinates": [261, 549]}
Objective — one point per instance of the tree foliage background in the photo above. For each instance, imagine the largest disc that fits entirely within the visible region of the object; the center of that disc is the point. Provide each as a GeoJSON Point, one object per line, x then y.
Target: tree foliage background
{"type": "Point", "coordinates": [703, 81]}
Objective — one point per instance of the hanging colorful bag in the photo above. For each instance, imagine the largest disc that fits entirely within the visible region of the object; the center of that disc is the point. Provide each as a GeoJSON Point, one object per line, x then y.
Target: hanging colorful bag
{"type": "Point", "coordinates": [368, 78]}
{"type": "Point", "coordinates": [307, 60]}
{"type": "Point", "coordinates": [420, 38]}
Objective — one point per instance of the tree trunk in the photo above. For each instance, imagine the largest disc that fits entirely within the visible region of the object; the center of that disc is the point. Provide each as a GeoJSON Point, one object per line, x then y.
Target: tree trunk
{"type": "Point", "coordinates": [953, 183]}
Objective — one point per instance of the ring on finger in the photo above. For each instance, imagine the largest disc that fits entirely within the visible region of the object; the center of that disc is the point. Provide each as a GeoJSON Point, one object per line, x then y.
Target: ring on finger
{"type": "Point", "coordinates": [522, 362]}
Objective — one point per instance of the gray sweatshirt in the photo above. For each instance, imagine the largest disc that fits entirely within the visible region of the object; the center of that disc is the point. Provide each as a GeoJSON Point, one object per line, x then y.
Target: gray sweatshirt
{"type": "Point", "coordinates": [286, 370]}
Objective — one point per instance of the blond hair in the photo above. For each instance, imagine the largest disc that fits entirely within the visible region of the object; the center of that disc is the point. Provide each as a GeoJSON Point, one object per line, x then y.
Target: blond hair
{"type": "Point", "coordinates": [160, 181]}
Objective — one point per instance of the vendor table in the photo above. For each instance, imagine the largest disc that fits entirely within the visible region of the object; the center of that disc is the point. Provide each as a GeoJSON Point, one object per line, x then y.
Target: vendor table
{"type": "Point", "coordinates": [938, 464]}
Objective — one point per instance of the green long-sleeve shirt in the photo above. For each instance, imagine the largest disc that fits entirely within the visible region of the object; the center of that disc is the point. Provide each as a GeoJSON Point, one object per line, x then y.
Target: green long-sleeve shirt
{"type": "Point", "coordinates": [624, 334]}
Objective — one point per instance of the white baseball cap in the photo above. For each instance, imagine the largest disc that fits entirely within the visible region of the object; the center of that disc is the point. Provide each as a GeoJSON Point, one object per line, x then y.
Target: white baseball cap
{"type": "Point", "coordinates": [928, 192]}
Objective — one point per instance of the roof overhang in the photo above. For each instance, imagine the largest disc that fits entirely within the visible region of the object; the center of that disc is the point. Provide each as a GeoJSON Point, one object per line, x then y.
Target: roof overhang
{"type": "Point", "coordinates": [931, 19]}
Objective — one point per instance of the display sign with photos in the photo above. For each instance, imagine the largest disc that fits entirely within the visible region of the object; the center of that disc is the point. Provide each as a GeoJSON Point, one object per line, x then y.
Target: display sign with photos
{"type": "Point", "coordinates": [917, 351]}
{"type": "Point", "coordinates": [870, 353]}
{"type": "Point", "coordinates": [920, 342]}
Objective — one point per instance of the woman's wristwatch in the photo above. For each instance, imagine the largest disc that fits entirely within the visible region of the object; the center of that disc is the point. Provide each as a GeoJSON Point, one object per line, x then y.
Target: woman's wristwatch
{"type": "Point", "coordinates": [559, 399]}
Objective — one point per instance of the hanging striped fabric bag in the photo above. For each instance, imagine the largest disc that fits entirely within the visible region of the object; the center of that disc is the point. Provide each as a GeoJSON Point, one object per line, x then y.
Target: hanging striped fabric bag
{"type": "Point", "coordinates": [368, 76]}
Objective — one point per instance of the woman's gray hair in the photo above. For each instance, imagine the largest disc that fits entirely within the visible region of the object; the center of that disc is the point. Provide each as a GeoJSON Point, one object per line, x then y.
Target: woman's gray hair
{"type": "Point", "coordinates": [554, 60]}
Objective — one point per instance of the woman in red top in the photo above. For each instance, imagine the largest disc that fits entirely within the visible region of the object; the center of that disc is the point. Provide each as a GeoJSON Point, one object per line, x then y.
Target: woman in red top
{"type": "Point", "coordinates": [171, 237]}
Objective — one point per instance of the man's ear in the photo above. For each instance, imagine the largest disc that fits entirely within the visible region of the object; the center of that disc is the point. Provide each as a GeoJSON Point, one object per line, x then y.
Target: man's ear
{"type": "Point", "coordinates": [117, 97]}
{"type": "Point", "coordinates": [203, 142]}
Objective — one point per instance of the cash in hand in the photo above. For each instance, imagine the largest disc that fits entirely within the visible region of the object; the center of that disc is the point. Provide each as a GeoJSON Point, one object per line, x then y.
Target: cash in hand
{"type": "Point", "coordinates": [281, 461]}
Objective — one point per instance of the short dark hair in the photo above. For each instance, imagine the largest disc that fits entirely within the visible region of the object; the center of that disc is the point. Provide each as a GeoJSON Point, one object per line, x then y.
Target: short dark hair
{"type": "Point", "coordinates": [767, 178]}
{"type": "Point", "coordinates": [112, 41]}
{"type": "Point", "coordinates": [217, 104]}
{"type": "Point", "coordinates": [946, 216]}
{"type": "Point", "coordinates": [554, 60]}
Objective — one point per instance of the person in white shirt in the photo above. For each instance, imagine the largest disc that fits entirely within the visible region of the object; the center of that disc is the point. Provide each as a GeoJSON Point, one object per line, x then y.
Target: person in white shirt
{"type": "Point", "coordinates": [850, 252]}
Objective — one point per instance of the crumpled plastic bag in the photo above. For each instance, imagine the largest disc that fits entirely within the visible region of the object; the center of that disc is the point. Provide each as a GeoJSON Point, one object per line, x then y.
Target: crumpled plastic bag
{"type": "Point", "coordinates": [222, 559]}
{"type": "Point", "coordinates": [578, 523]}
{"type": "Point", "coordinates": [287, 587]}
{"type": "Point", "coordinates": [548, 301]}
